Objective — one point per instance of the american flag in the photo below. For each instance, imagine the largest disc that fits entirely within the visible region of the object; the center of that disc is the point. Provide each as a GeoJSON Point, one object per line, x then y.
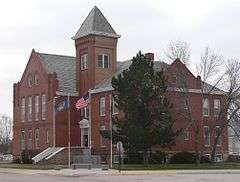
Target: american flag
{"type": "Point", "coordinates": [83, 102]}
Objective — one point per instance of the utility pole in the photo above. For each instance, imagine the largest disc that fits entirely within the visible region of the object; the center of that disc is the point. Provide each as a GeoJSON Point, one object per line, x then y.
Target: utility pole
{"type": "Point", "coordinates": [69, 133]}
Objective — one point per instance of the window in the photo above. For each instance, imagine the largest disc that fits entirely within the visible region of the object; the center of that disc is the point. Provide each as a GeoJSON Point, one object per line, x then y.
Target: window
{"type": "Point", "coordinates": [43, 107]}
{"type": "Point", "coordinates": [103, 61]}
{"type": "Point", "coordinates": [85, 112]}
{"type": "Point", "coordinates": [206, 136]}
{"type": "Point", "coordinates": [29, 139]}
{"type": "Point", "coordinates": [103, 140]}
{"type": "Point", "coordinates": [115, 109]}
{"type": "Point", "coordinates": [102, 106]}
{"type": "Point", "coordinates": [218, 132]}
{"type": "Point", "coordinates": [35, 79]}
{"type": "Point", "coordinates": [29, 108]}
{"type": "Point", "coordinates": [185, 104]}
{"type": "Point", "coordinates": [22, 140]}
{"type": "Point", "coordinates": [216, 107]}
{"type": "Point", "coordinates": [36, 107]}
{"type": "Point", "coordinates": [84, 62]}
{"type": "Point", "coordinates": [37, 138]}
{"type": "Point", "coordinates": [30, 81]}
{"type": "Point", "coordinates": [205, 107]}
{"type": "Point", "coordinates": [47, 136]}
{"type": "Point", "coordinates": [174, 80]}
{"type": "Point", "coordinates": [23, 110]}
{"type": "Point", "coordinates": [186, 134]}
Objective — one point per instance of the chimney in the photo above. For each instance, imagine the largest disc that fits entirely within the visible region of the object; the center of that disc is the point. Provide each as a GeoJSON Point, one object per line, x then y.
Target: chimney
{"type": "Point", "coordinates": [199, 82]}
{"type": "Point", "coordinates": [150, 56]}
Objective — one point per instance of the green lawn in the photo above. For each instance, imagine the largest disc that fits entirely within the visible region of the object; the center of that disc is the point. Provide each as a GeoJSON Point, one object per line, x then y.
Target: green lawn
{"type": "Point", "coordinates": [179, 166]}
{"type": "Point", "coordinates": [26, 166]}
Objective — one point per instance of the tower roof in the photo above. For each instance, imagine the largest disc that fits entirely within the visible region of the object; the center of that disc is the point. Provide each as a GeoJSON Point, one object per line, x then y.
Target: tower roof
{"type": "Point", "coordinates": [96, 24]}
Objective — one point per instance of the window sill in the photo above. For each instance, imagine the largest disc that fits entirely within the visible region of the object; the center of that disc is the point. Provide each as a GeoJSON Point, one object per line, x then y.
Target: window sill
{"type": "Point", "coordinates": [84, 69]}
{"type": "Point", "coordinates": [207, 146]}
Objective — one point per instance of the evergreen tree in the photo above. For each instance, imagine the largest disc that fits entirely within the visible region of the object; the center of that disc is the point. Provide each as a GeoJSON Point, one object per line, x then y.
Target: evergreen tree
{"type": "Point", "coordinates": [141, 96]}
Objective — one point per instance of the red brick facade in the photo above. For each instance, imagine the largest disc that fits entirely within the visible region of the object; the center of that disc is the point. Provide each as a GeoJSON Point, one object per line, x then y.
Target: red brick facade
{"type": "Point", "coordinates": [86, 79]}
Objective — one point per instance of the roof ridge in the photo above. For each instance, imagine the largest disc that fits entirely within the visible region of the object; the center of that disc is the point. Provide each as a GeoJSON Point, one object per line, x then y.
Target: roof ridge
{"type": "Point", "coordinates": [55, 54]}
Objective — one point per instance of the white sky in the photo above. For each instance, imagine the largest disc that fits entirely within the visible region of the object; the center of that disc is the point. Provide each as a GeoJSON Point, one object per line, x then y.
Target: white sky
{"type": "Point", "coordinates": [147, 25]}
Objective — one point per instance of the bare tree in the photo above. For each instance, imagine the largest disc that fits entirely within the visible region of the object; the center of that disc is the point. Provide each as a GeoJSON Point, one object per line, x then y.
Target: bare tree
{"type": "Point", "coordinates": [231, 106]}
{"type": "Point", "coordinates": [5, 133]}
{"type": "Point", "coordinates": [178, 49]}
{"type": "Point", "coordinates": [208, 67]}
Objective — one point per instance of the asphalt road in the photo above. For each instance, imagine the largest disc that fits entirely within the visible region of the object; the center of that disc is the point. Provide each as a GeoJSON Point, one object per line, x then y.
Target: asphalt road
{"type": "Point", "coordinates": [4, 177]}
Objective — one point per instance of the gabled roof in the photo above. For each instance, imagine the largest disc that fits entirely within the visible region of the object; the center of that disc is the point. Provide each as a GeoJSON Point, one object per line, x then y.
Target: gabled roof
{"type": "Point", "coordinates": [121, 66]}
{"type": "Point", "coordinates": [65, 68]}
{"type": "Point", "coordinates": [96, 24]}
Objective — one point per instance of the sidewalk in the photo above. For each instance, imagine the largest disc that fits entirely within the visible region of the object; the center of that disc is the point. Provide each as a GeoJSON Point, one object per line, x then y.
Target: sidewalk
{"type": "Point", "coordinates": [86, 172]}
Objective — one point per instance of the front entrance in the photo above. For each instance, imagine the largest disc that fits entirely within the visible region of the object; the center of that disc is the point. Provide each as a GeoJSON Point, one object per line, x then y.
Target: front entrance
{"type": "Point", "coordinates": [84, 137]}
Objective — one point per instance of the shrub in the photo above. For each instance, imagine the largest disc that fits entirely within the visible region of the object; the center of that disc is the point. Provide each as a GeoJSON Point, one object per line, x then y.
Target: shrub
{"type": "Point", "coordinates": [26, 157]}
{"type": "Point", "coordinates": [183, 158]}
{"type": "Point", "coordinates": [205, 159]}
{"type": "Point", "coordinates": [16, 160]}
{"type": "Point", "coordinates": [158, 158]}
{"type": "Point", "coordinates": [134, 158]}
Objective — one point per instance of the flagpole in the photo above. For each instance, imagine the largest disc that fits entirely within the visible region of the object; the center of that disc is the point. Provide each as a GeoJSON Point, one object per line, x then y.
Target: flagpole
{"type": "Point", "coordinates": [90, 122]}
{"type": "Point", "coordinates": [69, 133]}
{"type": "Point", "coordinates": [111, 140]}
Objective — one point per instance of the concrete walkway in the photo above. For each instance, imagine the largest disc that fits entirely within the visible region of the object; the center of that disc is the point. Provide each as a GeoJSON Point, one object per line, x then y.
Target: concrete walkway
{"type": "Point", "coordinates": [99, 172]}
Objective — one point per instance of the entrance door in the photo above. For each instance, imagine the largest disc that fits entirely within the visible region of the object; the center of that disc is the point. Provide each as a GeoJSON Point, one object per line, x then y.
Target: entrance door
{"type": "Point", "coordinates": [84, 137]}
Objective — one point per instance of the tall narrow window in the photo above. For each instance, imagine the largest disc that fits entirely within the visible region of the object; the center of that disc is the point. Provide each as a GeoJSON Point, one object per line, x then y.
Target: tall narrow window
{"type": "Point", "coordinates": [186, 134]}
{"type": "Point", "coordinates": [29, 139]}
{"type": "Point", "coordinates": [30, 80]}
{"type": "Point", "coordinates": [103, 61]}
{"type": "Point", "coordinates": [22, 140]}
{"type": "Point", "coordinates": [218, 132]}
{"type": "Point", "coordinates": [114, 106]}
{"type": "Point", "coordinates": [23, 110]}
{"type": "Point", "coordinates": [216, 107]}
{"type": "Point", "coordinates": [206, 136]}
{"type": "Point", "coordinates": [205, 107]}
{"type": "Point", "coordinates": [37, 134]}
{"type": "Point", "coordinates": [35, 79]}
{"type": "Point", "coordinates": [47, 136]}
{"type": "Point", "coordinates": [84, 62]}
{"type": "Point", "coordinates": [29, 108]}
{"type": "Point", "coordinates": [43, 107]}
{"type": "Point", "coordinates": [102, 106]}
{"type": "Point", "coordinates": [36, 107]}
{"type": "Point", "coordinates": [103, 140]}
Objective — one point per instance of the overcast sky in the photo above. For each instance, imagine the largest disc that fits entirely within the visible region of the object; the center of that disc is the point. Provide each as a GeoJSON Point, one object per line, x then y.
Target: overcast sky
{"type": "Point", "coordinates": [147, 25]}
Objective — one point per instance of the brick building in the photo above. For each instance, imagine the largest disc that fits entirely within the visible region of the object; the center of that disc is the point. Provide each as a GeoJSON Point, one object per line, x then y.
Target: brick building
{"type": "Point", "coordinates": [49, 79]}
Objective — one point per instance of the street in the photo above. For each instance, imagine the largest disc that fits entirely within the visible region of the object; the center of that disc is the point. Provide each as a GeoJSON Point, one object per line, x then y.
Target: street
{"type": "Point", "coordinates": [7, 177]}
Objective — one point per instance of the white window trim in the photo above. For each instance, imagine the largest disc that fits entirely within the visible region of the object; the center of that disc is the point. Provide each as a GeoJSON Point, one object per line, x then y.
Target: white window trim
{"type": "Point", "coordinates": [205, 115]}
{"type": "Point", "coordinates": [36, 107]}
{"type": "Point", "coordinates": [23, 140]}
{"type": "Point", "coordinates": [30, 139]}
{"type": "Point", "coordinates": [23, 109]}
{"type": "Point", "coordinates": [205, 136]}
{"type": "Point", "coordinates": [84, 62]}
{"type": "Point", "coordinates": [43, 103]}
{"type": "Point", "coordinates": [29, 108]}
{"type": "Point", "coordinates": [188, 138]}
{"type": "Point", "coordinates": [47, 136]}
{"type": "Point", "coordinates": [219, 102]}
{"type": "Point", "coordinates": [102, 100]}
{"type": "Point", "coordinates": [37, 131]}
{"type": "Point", "coordinates": [218, 145]}
{"type": "Point", "coordinates": [103, 62]}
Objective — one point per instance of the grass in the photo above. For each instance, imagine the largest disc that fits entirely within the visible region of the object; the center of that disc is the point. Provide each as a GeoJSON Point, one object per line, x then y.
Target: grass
{"type": "Point", "coordinates": [26, 166]}
{"type": "Point", "coordinates": [207, 166]}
